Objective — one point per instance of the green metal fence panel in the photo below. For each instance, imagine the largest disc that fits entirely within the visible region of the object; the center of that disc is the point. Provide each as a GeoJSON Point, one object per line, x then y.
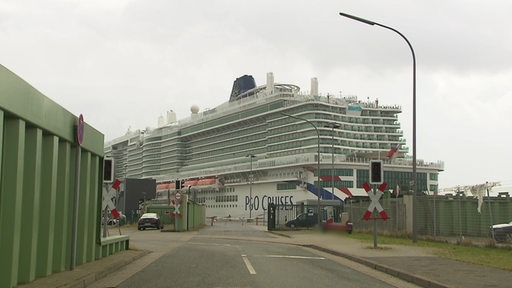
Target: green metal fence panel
{"type": "Point", "coordinates": [37, 185]}
{"type": "Point", "coordinates": [445, 216]}
{"type": "Point", "coordinates": [193, 215]}
{"type": "Point", "coordinates": [47, 206]}
{"type": "Point", "coordinates": [30, 208]}
{"type": "Point", "coordinates": [11, 200]}
{"type": "Point", "coordinates": [196, 215]}
{"type": "Point", "coordinates": [64, 201]}
{"type": "Point", "coordinates": [23, 101]}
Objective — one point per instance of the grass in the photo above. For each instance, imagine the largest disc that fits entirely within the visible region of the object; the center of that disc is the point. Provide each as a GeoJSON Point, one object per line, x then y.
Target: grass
{"type": "Point", "coordinates": [489, 255]}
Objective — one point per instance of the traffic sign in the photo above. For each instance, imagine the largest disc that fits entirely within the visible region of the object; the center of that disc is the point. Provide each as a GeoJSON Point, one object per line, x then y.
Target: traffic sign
{"type": "Point", "coordinates": [80, 129]}
{"type": "Point", "coordinates": [375, 204]}
{"type": "Point", "coordinates": [107, 196]}
{"type": "Point", "coordinates": [177, 202]}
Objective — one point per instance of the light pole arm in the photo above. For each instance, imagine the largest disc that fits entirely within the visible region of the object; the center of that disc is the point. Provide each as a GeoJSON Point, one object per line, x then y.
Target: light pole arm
{"type": "Point", "coordinates": [305, 120]}
{"type": "Point", "coordinates": [365, 21]}
{"type": "Point", "coordinates": [358, 18]}
{"type": "Point", "coordinates": [318, 161]}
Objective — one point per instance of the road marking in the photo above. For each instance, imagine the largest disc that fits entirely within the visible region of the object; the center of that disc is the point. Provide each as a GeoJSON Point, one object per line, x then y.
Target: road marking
{"type": "Point", "coordinates": [248, 264]}
{"type": "Point", "coordinates": [209, 244]}
{"type": "Point", "coordinates": [294, 257]}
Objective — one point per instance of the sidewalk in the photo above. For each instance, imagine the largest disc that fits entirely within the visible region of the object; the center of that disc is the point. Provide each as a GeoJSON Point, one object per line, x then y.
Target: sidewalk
{"type": "Point", "coordinates": [86, 274]}
{"type": "Point", "coordinates": [414, 264]}
{"type": "Point", "coordinates": [417, 265]}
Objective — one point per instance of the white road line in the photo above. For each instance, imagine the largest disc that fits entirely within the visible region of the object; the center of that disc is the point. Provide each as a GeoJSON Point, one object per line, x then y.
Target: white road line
{"type": "Point", "coordinates": [294, 257]}
{"type": "Point", "coordinates": [248, 265]}
{"type": "Point", "coordinates": [209, 244]}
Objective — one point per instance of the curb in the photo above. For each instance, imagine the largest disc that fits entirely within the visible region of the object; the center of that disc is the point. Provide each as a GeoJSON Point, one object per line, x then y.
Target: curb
{"type": "Point", "coordinates": [409, 277]}
{"type": "Point", "coordinates": [415, 279]}
{"type": "Point", "coordinates": [279, 234]}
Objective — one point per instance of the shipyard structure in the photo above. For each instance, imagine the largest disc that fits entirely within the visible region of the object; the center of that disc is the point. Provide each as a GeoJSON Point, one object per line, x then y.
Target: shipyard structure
{"type": "Point", "coordinates": [272, 144]}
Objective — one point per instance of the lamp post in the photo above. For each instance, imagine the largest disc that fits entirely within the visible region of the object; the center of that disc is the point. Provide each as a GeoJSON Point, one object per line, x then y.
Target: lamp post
{"type": "Point", "coordinates": [124, 193]}
{"type": "Point", "coordinates": [318, 159]}
{"type": "Point", "coordinates": [250, 186]}
{"type": "Point", "coordinates": [332, 126]}
{"type": "Point", "coordinates": [414, 176]}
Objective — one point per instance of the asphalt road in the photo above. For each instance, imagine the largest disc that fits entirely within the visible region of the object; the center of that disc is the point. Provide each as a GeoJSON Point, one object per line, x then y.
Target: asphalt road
{"type": "Point", "coordinates": [235, 255]}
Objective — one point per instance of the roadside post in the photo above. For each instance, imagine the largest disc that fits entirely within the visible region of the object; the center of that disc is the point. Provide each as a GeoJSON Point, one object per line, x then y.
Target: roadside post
{"type": "Point", "coordinates": [271, 224]}
{"type": "Point", "coordinates": [108, 193]}
{"type": "Point", "coordinates": [376, 178]}
{"type": "Point", "coordinates": [74, 224]}
{"type": "Point", "coordinates": [177, 213]}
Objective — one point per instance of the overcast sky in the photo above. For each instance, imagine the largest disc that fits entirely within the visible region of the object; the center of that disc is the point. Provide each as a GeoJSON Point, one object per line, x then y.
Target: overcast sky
{"type": "Point", "coordinates": [123, 63]}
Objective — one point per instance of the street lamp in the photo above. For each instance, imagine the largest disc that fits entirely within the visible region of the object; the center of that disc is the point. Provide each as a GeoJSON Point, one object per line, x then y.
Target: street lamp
{"type": "Point", "coordinates": [332, 126]}
{"type": "Point", "coordinates": [318, 159]}
{"type": "Point", "coordinates": [250, 186]}
{"type": "Point", "coordinates": [124, 193]}
{"type": "Point", "coordinates": [414, 176]}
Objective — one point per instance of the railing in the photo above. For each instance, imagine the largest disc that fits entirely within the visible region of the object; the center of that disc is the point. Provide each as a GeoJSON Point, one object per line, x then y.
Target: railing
{"type": "Point", "coordinates": [310, 158]}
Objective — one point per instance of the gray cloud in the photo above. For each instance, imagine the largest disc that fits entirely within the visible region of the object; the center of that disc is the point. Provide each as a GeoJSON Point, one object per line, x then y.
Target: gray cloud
{"type": "Point", "coordinates": [123, 63]}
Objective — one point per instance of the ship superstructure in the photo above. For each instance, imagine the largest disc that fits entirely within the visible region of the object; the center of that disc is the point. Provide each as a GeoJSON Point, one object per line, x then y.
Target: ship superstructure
{"type": "Point", "coordinates": [266, 145]}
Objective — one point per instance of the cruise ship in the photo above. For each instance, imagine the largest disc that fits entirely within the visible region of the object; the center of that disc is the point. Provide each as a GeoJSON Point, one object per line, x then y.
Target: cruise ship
{"type": "Point", "coordinates": [271, 144]}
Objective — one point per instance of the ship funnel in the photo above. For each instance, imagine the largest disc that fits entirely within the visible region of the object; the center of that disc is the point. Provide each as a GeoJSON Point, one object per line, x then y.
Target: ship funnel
{"type": "Point", "coordinates": [314, 86]}
{"type": "Point", "coordinates": [240, 86]}
{"type": "Point", "coordinates": [270, 83]}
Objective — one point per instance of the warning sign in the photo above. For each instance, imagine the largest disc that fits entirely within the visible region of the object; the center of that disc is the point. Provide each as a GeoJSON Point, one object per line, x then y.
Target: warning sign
{"type": "Point", "coordinates": [375, 204]}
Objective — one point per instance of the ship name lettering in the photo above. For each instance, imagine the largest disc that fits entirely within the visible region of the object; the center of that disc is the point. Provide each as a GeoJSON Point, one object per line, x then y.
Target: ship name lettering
{"type": "Point", "coordinates": [257, 203]}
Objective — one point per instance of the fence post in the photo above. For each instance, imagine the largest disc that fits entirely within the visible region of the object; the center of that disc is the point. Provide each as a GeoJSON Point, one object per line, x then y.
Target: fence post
{"type": "Point", "coordinates": [490, 211]}
{"type": "Point", "coordinates": [435, 217]}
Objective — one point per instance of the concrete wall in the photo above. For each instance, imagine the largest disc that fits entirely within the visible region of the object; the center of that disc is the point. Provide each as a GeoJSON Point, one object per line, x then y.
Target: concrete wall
{"type": "Point", "coordinates": [38, 160]}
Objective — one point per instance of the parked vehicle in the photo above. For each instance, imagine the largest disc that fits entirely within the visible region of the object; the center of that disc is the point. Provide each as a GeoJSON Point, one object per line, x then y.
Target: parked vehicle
{"type": "Point", "coordinates": [331, 225]}
{"type": "Point", "coordinates": [149, 220]}
{"type": "Point", "coordinates": [112, 222]}
{"type": "Point", "coordinates": [502, 232]}
{"type": "Point", "coordinates": [303, 220]}
{"type": "Point", "coordinates": [119, 221]}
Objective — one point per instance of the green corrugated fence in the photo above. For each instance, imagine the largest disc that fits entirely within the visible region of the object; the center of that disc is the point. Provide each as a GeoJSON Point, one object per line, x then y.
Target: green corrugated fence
{"type": "Point", "coordinates": [38, 157]}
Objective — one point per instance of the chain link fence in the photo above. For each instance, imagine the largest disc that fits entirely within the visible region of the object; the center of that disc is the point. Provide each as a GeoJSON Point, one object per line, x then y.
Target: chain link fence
{"type": "Point", "coordinates": [453, 217]}
{"type": "Point", "coordinates": [456, 216]}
